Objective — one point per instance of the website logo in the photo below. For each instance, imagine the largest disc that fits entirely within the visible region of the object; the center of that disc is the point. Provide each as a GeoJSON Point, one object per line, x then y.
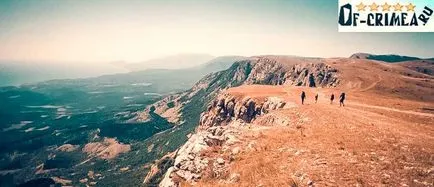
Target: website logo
{"type": "Point", "coordinates": [386, 16]}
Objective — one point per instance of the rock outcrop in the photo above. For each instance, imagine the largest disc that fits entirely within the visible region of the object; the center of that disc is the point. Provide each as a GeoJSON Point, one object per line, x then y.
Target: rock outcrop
{"type": "Point", "coordinates": [226, 107]}
{"type": "Point", "coordinates": [216, 129]}
{"type": "Point", "coordinates": [310, 73]}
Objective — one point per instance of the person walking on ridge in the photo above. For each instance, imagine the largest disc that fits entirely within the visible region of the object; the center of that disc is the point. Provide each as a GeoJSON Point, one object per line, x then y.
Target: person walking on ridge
{"type": "Point", "coordinates": [332, 98]}
{"type": "Point", "coordinates": [316, 98]}
{"type": "Point", "coordinates": [342, 99]}
{"type": "Point", "coordinates": [303, 96]}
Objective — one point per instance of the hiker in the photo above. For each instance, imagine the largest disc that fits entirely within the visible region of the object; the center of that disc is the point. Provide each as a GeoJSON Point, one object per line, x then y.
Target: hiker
{"type": "Point", "coordinates": [332, 98]}
{"type": "Point", "coordinates": [341, 99]}
{"type": "Point", "coordinates": [303, 96]}
{"type": "Point", "coordinates": [316, 98]}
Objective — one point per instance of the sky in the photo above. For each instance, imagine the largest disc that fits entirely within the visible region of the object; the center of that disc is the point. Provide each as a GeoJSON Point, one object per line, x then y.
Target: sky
{"type": "Point", "coordinates": [138, 30]}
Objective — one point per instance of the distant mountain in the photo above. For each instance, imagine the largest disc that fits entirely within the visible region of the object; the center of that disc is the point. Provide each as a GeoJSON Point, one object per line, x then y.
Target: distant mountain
{"type": "Point", "coordinates": [387, 58]}
{"type": "Point", "coordinates": [221, 63]}
{"type": "Point", "coordinates": [171, 62]}
{"type": "Point", "coordinates": [162, 80]}
{"type": "Point", "coordinates": [16, 73]}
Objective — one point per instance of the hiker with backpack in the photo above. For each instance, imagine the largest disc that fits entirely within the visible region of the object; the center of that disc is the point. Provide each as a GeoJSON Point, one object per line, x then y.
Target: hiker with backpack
{"type": "Point", "coordinates": [303, 96]}
{"type": "Point", "coordinates": [332, 98]}
{"type": "Point", "coordinates": [342, 99]}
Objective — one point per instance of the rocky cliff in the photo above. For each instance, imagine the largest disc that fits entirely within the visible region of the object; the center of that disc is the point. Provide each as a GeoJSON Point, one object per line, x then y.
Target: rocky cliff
{"type": "Point", "coordinates": [218, 130]}
{"type": "Point", "coordinates": [206, 105]}
{"type": "Point", "coordinates": [266, 70]}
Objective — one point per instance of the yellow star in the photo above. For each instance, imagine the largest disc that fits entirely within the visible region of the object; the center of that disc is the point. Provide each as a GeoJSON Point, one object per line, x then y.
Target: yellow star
{"type": "Point", "coordinates": [410, 7]}
{"type": "Point", "coordinates": [398, 7]}
{"type": "Point", "coordinates": [374, 7]}
{"type": "Point", "coordinates": [361, 7]}
{"type": "Point", "coordinates": [385, 7]}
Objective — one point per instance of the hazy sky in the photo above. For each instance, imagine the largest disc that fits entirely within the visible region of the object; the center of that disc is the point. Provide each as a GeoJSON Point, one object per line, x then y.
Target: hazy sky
{"type": "Point", "coordinates": [104, 30]}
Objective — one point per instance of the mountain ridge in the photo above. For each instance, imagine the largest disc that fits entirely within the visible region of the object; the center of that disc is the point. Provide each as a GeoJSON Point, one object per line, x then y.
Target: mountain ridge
{"type": "Point", "coordinates": [179, 61]}
{"type": "Point", "coordinates": [286, 71]}
{"type": "Point", "coordinates": [392, 58]}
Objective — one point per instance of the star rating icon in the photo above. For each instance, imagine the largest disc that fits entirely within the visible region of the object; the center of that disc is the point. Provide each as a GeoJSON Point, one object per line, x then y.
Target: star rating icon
{"type": "Point", "coordinates": [361, 7]}
{"type": "Point", "coordinates": [397, 7]}
{"type": "Point", "coordinates": [410, 7]}
{"type": "Point", "coordinates": [374, 7]}
{"type": "Point", "coordinates": [385, 7]}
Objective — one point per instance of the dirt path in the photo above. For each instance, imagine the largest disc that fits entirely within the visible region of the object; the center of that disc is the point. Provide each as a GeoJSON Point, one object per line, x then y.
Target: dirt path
{"type": "Point", "coordinates": [392, 109]}
{"type": "Point", "coordinates": [418, 78]}
{"type": "Point", "coordinates": [373, 84]}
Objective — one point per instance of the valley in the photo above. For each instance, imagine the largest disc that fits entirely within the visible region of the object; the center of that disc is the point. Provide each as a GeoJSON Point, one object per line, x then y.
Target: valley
{"type": "Point", "coordinates": [64, 129]}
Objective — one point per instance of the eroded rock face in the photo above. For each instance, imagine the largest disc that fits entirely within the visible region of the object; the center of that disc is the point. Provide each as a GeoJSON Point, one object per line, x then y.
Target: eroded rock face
{"type": "Point", "coordinates": [310, 73]}
{"type": "Point", "coordinates": [190, 161]}
{"type": "Point", "coordinates": [215, 131]}
{"type": "Point", "coordinates": [226, 108]}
